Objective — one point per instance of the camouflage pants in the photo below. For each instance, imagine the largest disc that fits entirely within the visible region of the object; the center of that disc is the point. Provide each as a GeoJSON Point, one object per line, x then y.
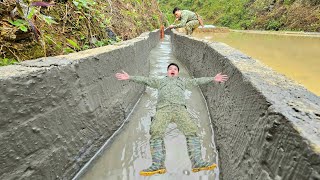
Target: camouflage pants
{"type": "Point", "coordinates": [191, 26]}
{"type": "Point", "coordinates": [176, 114]}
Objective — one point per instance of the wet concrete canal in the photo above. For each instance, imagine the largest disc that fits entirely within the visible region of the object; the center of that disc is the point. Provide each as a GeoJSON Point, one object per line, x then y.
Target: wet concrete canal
{"type": "Point", "coordinates": [68, 117]}
{"type": "Point", "coordinates": [128, 151]}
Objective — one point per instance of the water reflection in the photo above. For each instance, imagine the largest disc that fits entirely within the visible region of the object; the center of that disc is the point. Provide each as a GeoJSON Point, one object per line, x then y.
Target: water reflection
{"type": "Point", "coordinates": [297, 57]}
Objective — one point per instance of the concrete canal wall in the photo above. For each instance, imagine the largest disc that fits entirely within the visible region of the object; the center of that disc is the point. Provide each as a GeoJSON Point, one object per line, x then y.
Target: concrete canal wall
{"type": "Point", "coordinates": [266, 126]}
{"type": "Point", "coordinates": [55, 113]}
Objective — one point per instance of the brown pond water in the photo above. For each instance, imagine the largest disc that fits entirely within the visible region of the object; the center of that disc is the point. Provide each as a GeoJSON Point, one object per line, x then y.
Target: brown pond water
{"type": "Point", "coordinates": [296, 56]}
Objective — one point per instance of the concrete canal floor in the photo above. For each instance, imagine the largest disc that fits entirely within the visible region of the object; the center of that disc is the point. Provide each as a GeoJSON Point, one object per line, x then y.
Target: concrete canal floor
{"type": "Point", "coordinates": [128, 151]}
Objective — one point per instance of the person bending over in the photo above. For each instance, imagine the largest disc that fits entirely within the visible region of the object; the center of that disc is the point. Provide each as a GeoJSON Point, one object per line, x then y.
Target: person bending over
{"type": "Point", "coordinates": [188, 19]}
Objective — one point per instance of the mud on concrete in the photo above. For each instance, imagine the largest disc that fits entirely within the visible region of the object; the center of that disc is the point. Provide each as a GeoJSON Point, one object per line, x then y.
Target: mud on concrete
{"type": "Point", "coordinates": [266, 126]}
{"type": "Point", "coordinates": [56, 112]}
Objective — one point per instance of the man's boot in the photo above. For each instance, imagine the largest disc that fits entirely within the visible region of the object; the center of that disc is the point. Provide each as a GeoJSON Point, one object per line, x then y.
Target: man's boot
{"type": "Point", "coordinates": [194, 151]}
{"type": "Point", "coordinates": [158, 154]}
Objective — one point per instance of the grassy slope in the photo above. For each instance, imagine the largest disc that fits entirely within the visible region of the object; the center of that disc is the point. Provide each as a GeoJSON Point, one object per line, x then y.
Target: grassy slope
{"type": "Point", "coordinates": [301, 15]}
{"type": "Point", "coordinates": [77, 25]}
{"type": "Point", "coordinates": [83, 24]}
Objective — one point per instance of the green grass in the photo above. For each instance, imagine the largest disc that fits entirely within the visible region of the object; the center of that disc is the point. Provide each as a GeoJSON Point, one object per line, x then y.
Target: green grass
{"type": "Point", "coordinates": [6, 61]}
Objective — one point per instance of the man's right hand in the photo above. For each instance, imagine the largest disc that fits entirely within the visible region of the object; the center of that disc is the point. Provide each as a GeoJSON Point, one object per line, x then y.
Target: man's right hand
{"type": "Point", "coordinates": [122, 76]}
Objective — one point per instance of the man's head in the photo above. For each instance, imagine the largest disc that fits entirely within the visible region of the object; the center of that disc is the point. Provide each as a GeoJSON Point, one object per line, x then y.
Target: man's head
{"type": "Point", "coordinates": [177, 12]}
{"type": "Point", "coordinates": [172, 70]}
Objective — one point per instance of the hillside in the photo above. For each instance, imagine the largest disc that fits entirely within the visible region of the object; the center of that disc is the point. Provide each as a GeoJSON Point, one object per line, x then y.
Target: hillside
{"type": "Point", "coordinates": [292, 15]}
{"type": "Point", "coordinates": [33, 29]}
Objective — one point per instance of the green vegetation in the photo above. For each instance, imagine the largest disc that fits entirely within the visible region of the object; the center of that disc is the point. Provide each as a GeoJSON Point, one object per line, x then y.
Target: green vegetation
{"type": "Point", "coordinates": [21, 24]}
{"type": "Point", "coordinates": [252, 14]}
{"type": "Point", "coordinates": [6, 61]}
{"type": "Point", "coordinates": [230, 13]}
{"type": "Point", "coordinates": [33, 29]}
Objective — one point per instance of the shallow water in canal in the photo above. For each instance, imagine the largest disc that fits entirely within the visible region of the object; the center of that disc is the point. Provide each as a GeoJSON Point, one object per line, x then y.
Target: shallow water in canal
{"type": "Point", "coordinates": [296, 56]}
{"type": "Point", "coordinates": [128, 152]}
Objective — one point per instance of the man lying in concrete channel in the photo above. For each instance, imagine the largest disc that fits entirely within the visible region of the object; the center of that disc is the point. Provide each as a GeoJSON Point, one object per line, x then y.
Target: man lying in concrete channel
{"type": "Point", "coordinates": [171, 107]}
{"type": "Point", "coordinates": [188, 19]}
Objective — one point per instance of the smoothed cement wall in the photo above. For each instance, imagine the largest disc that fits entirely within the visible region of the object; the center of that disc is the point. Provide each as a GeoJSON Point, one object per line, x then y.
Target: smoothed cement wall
{"type": "Point", "coordinates": [266, 126]}
{"type": "Point", "coordinates": [55, 113]}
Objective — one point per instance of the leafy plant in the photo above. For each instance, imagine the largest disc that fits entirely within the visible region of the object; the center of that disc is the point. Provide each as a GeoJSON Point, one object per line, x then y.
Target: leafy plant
{"type": "Point", "coordinates": [84, 47]}
{"type": "Point", "coordinates": [68, 50]}
{"type": "Point", "coordinates": [100, 43]}
{"type": "Point", "coordinates": [288, 2]}
{"type": "Point", "coordinates": [21, 24]}
{"type": "Point", "coordinates": [47, 19]}
{"type": "Point", "coordinates": [273, 25]}
{"type": "Point", "coordinates": [7, 61]}
{"type": "Point", "coordinates": [73, 44]}
{"type": "Point", "coordinates": [83, 4]}
{"type": "Point", "coordinates": [29, 14]}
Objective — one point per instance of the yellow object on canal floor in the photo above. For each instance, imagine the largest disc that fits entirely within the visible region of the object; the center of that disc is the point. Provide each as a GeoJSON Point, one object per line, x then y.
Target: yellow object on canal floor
{"type": "Point", "coordinates": [150, 173]}
{"type": "Point", "coordinates": [204, 168]}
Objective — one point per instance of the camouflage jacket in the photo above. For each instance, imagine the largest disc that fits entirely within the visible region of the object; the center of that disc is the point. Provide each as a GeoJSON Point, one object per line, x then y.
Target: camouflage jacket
{"type": "Point", "coordinates": [186, 16]}
{"type": "Point", "coordinates": [171, 89]}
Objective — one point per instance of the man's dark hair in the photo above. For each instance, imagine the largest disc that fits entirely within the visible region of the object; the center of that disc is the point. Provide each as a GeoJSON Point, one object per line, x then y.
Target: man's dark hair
{"type": "Point", "coordinates": [175, 9]}
{"type": "Point", "coordinates": [173, 64]}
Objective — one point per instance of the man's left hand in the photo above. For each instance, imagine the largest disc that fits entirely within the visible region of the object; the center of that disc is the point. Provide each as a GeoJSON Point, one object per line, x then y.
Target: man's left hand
{"type": "Point", "coordinates": [220, 78]}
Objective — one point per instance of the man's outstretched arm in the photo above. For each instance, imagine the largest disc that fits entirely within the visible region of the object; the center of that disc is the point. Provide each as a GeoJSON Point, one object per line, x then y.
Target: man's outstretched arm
{"type": "Point", "coordinates": [149, 81]}
{"type": "Point", "coordinates": [204, 80]}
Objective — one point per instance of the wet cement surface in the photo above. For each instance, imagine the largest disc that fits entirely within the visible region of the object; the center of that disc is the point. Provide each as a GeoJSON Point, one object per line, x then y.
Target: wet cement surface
{"type": "Point", "coordinates": [128, 152]}
{"type": "Point", "coordinates": [295, 56]}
